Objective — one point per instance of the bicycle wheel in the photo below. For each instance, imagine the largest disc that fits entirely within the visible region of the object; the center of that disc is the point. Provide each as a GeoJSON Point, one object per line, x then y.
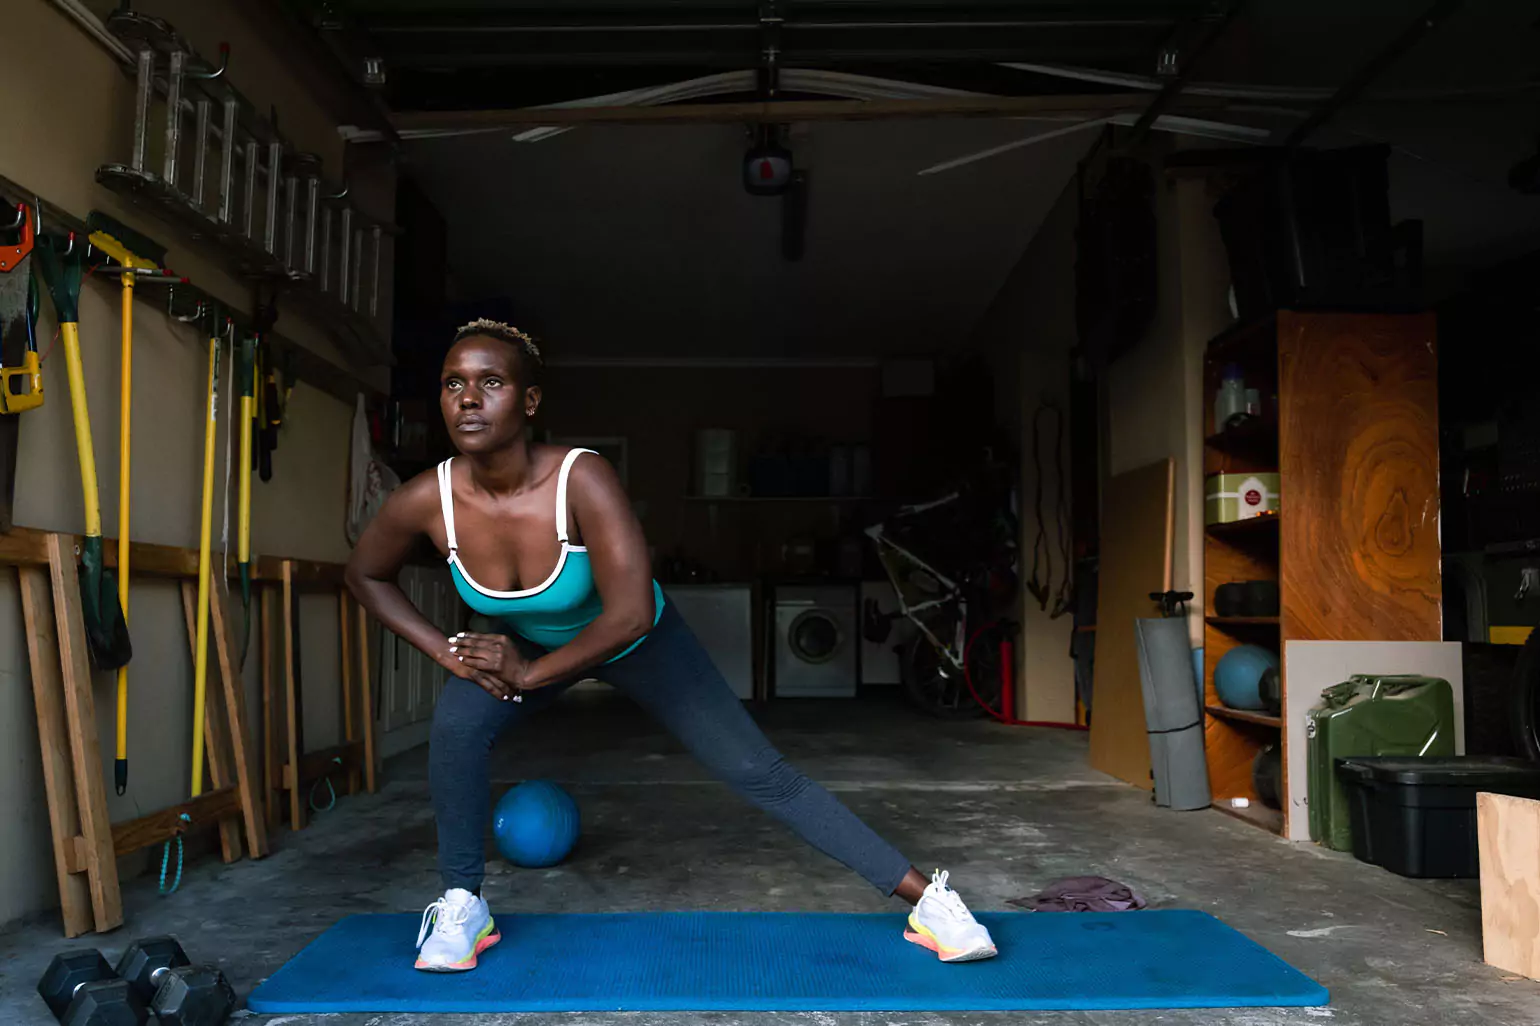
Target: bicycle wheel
{"type": "Point", "coordinates": [986, 675]}
{"type": "Point", "coordinates": [943, 695]}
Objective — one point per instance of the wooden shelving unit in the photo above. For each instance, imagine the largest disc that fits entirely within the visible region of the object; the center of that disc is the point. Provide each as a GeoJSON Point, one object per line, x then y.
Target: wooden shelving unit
{"type": "Point", "coordinates": [1353, 435]}
{"type": "Point", "coordinates": [1256, 814]}
{"type": "Point", "coordinates": [1257, 527]}
{"type": "Point", "coordinates": [1224, 712]}
{"type": "Point", "coordinates": [1258, 435]}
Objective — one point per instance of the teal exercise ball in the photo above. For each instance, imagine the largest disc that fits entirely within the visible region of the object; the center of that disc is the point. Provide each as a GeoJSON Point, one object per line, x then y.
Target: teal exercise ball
{"type": "Point", "coordinates": [1238, 676]}
{"type": "Point", "coordinates": [535, 824]}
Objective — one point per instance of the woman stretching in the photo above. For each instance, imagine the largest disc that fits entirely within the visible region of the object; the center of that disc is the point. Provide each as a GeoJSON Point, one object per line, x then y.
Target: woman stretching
{"type": "Point", "coordinates": [543, 540]}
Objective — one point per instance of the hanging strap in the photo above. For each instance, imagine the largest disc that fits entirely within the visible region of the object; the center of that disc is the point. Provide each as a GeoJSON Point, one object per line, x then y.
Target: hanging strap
{"type": "Point", "coordinates": [447, 501]}
{"type": "Point", "coordinates": [561, 493]}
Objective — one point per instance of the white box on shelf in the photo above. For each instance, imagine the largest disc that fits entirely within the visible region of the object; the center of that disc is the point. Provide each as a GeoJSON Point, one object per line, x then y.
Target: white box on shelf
{"type": "Point", "coordinates": [716, 462]}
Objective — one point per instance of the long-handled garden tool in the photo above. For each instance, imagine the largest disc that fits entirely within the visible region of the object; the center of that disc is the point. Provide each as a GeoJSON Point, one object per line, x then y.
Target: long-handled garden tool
{"type": "Point", "coordinates": [133, 256]}
{"type": "Point", "coordinates": [246, 372]}
{"type": "Point", "coordinates": [21, 372]}
{"type": "Point", "coordinates": [106, 630]}
{"type": "Point", "coordinates": [21, 376]}
{"type": "Point", "coordinates": [217, 326]}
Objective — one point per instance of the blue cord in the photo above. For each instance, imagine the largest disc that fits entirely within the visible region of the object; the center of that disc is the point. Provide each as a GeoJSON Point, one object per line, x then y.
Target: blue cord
{"type": "Point", "coordinates": [165, 859]}
{"type": "Point", "coordinates": [327, 780]}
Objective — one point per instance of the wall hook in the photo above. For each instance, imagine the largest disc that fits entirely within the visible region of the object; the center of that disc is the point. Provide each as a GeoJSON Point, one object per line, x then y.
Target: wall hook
{"type": "Point", "coordinates": [224, 62]}
{"type": "Point", "coordinates": [187, 318]}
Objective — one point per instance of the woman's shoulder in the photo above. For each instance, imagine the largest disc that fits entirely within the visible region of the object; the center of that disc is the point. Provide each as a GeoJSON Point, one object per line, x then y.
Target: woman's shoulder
{"type": "Point", "coordinates": [417, 497]}
{"type": "Point", "coordinates": [591, 474]}
{"type": "Point", "coordinates": [554, 457]}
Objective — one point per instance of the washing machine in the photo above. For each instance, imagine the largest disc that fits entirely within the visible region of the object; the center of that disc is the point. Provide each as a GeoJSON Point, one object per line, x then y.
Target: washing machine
{"type": "Point", "coordinates": [880, 660]}
{"type": "Point", "coordinates": [817, 641]}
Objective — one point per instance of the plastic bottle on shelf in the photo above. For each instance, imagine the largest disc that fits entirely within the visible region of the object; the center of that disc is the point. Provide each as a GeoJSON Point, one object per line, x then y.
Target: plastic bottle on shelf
{"type": "Point", "coordinates": [1231, 399]}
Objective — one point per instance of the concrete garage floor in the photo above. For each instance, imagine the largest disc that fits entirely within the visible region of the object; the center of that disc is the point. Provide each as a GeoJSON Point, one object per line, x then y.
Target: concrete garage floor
{"type": "Point", "coordinates": [1006, 809]}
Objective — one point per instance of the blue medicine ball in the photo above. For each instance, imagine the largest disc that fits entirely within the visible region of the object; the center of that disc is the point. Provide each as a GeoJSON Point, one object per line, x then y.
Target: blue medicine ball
{"type": "Point", "coordinates": [1238, 676]}
{"type": "Point", "coordinates": [535, 824]}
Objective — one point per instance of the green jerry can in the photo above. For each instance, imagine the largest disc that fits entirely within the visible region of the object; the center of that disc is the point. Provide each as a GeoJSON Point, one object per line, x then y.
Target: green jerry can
{"type": "Point", "coordinates": [1367, 715]}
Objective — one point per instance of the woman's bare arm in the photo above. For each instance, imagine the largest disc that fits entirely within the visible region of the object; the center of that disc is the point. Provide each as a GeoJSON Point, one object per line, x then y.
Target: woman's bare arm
{"type": "Point", "coordinates": [375, 566]}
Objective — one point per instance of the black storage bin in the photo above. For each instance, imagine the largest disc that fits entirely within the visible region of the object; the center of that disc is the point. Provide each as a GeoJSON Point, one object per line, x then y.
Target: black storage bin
{"type": "Point", "coordinates": [1417, 817]}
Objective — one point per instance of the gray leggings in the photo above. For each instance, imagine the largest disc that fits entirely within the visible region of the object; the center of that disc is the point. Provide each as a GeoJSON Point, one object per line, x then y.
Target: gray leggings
{"type": "Point", "coordinates": [672, 677]}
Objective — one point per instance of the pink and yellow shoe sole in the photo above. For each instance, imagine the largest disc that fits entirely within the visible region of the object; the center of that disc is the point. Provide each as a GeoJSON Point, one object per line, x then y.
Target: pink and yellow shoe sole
{"type": "Point", "coordinates": [488, 937]}
{"type": "Point", "coordinates": [918, 934]}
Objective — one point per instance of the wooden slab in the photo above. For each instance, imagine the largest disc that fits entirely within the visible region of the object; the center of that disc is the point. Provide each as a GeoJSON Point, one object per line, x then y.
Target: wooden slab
{"type": "Point", "coordinates": [215, 744]}
{"type": "Point", "coordinates": [291, 693]}
{"type": "Point", "coordinates": [1508, 829]}
{"type": "Point", "coordinates": [1359, 466]}
{"type": "Point", "coordinates": [53, 736]}
{"type": "Point", "coordinates": [323, 762]}
{"type": "Point", "coordinates": [270, 796]}
{"type": "Point", "coordinates": [234, 689]}
{"type": "Point", "coordinates": [85, 751]}
{"type": "Point", "coordinates": [22, 547]}
{"type": "Point", "coordinates": [366, 683]}
{"type": "Point", "coordinates": [26, 546]}
{"type": "Point", "coordinates": [1136, 543]}
{"type": "Point", "coordinates": [217, 806]}
{"type": "Point", "coordinates": [345, 641]}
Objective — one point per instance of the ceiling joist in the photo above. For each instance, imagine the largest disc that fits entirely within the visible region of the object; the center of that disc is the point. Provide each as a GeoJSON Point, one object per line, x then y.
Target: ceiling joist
{"type": "Point", "coordinates": [782, 112]}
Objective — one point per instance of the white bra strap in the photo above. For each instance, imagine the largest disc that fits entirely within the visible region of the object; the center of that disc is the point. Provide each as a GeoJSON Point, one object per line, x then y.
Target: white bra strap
{"type": "Point", "coordinates": [447, 501]}
{"type": "Point", "coordinates": [561, 493]}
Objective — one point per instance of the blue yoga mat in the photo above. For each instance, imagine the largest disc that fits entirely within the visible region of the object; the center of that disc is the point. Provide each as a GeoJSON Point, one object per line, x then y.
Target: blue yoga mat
{"type": "Point", "coordinates": [763, 961]}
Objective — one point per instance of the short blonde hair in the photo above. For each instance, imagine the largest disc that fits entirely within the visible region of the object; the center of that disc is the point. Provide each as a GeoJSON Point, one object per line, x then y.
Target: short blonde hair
{"type": "Point", "coordinates": [534, 361]}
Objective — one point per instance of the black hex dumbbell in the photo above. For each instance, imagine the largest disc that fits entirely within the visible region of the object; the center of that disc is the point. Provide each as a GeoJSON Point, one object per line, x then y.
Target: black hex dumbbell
{"type": "Point", "coordinates": [179, 993]}
{"type": "Point", "coordinates": [193, 995]}
{"type": "Point", "coordinates": [146, 961]}
{"type": "Point", "coordinates": [106, 1003]}
{"type": "Point", "coordinates": [81, 989]}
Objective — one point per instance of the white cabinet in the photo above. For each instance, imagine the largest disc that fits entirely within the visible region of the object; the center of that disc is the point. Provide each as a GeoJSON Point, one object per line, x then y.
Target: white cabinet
{"type": "Point", "coordinates": [722, 618]}
{"type": "Point", "coordinates": [880, 659]}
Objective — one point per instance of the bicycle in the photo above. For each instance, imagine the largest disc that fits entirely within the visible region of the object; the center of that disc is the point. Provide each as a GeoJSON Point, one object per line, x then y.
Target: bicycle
{"type": "Point", "coordinates": [953, 668]}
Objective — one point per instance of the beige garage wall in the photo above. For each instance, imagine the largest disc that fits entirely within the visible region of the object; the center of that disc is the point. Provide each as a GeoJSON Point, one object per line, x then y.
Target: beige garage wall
{"type": "Point", "coordinates": [1030, 327]}
{"type": "Point", "coordinates": [66, 109]}
{"type": "Point", "coordinates": [1155, 389]}
{"type": "Point", "coordinates": [1153, 398]}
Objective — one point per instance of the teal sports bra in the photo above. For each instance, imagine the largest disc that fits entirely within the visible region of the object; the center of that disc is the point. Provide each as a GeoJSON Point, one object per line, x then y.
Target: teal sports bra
{"type": "Point", "coordinates": [553, 612]}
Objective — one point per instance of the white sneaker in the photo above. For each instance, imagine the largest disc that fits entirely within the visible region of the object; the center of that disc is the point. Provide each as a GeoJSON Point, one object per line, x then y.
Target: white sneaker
{"type": "Point", "coordinates": [942, 923]}
{"type": "Point", "coordinates": [462, 929]}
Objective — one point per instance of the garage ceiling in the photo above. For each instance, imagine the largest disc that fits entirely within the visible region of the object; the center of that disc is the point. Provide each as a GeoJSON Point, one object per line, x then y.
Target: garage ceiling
{"type": "Point", "coordinates": [490, 53]}
{"type": "Point", "coordinates": [624, 241]}
{"type": "Point", "coordinates": [619, 240]}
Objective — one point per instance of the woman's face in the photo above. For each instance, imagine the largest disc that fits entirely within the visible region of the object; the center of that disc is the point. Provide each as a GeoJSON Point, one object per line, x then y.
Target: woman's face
{"type": "Point", "coordinates": [485, 407]}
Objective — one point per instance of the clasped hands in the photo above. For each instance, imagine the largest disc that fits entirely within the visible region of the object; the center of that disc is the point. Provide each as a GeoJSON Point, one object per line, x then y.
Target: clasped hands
{"type": "Point", "coordinates": [491, 661]}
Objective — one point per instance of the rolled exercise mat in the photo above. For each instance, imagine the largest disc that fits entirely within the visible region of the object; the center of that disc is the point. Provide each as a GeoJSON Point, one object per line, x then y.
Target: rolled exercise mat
{"type": "Point", "coordinates": [1172, 714]}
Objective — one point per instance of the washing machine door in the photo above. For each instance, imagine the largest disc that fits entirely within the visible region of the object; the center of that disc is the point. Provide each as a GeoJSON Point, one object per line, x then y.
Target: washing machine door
{"type": "Point", "coordinates": [816, 643]}
{"type": "Point", "coordinates": [815, 636]}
